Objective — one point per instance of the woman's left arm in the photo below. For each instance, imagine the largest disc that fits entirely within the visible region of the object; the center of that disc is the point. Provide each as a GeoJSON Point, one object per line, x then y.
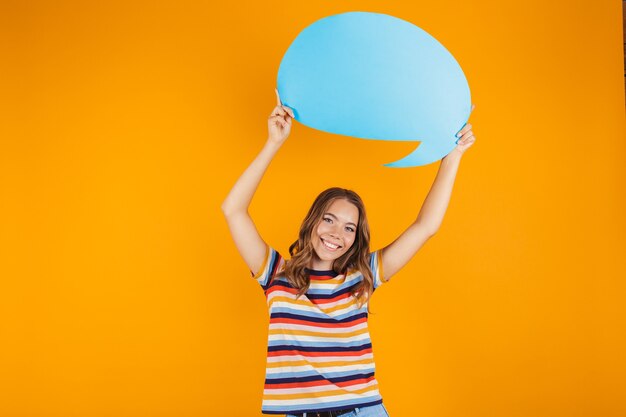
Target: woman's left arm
{"type": "Point", "coordinates": [400, 251]}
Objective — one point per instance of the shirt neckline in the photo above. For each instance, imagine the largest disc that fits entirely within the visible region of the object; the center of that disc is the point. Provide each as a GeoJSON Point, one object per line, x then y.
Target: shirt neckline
{"type": "Point", "coordinates": [318, 273]}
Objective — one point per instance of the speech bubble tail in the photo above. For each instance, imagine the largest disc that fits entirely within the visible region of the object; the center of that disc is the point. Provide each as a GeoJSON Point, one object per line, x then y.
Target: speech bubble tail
{"type": "Point", "coordinates": [426, 153]}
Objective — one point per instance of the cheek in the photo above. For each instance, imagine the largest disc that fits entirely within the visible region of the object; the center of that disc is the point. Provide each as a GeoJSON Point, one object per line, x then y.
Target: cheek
{"type": "Point", "coordinates": [322, 228]}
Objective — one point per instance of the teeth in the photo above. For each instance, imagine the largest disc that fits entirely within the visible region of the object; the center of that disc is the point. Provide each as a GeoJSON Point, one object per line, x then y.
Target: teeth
{"type": "Point", "coordinates": [330, 245]}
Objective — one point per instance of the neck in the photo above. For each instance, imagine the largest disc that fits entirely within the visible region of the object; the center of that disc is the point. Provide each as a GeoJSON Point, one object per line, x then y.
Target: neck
{"type": "Point", "coordinates": [321, 265]}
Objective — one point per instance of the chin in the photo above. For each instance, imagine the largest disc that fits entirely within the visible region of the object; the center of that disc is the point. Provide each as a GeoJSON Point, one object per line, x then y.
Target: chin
{"type": "Point", "coordinates": [327, 256]}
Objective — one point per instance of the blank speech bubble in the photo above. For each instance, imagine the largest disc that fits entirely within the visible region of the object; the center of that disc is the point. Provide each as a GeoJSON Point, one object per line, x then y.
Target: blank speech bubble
{"type": "Point", "coordinates": [375, 76]}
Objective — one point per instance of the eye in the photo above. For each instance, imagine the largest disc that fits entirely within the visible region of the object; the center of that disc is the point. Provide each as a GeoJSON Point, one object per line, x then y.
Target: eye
{"type": "Point", "coordinates": [328, 218]}
{"type": "Point", "coordinates": [350, 229]}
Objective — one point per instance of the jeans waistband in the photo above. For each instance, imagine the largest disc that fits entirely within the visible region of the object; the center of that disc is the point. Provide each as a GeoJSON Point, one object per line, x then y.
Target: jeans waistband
{"type": "Point", "coordinates": [332, 413]}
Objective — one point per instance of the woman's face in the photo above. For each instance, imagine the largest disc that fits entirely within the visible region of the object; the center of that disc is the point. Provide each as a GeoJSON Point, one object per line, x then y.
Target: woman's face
{"type": "Point", "coordinates": [336, 232]}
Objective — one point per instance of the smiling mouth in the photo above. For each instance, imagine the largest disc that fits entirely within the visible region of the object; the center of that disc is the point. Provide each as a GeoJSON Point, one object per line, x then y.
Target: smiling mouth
{"type": "Point", "coordinates": [330, 246]}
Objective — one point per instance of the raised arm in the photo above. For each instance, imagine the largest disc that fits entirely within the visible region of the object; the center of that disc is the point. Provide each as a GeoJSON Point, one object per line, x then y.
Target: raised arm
{"type": "Point", "coordinates": [235, 207]}
{"type": "Point", "coordinates": [400, 251]}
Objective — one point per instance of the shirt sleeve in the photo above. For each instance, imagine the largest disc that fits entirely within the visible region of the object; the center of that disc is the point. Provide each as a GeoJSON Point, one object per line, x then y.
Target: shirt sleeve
{"type": "Point", "coordinates": [271, 265]}
{"type": "Point", "coordinates": [376, 265]}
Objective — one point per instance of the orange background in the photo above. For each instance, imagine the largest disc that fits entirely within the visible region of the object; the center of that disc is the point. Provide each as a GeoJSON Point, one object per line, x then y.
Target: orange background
{"type": "Point", "coordinates": [124, 125]}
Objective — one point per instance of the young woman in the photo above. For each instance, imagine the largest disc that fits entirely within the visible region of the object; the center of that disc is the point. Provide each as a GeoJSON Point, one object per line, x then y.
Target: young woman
{"type": "Point", "coordinates": [319, 357]}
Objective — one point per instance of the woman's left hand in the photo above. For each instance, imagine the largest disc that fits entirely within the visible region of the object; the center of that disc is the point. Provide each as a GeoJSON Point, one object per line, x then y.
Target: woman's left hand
{"type": "Point", "coordinates": [466, 137]}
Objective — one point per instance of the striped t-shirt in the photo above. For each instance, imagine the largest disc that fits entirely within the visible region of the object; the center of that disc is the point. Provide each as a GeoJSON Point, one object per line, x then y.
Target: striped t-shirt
{"type": "Point", "coordinates": [319, 354]}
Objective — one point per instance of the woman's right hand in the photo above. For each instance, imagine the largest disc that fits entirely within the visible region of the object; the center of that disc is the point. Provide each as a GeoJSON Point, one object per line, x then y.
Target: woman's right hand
{"type": "Point", "coordinates": [279, 122]}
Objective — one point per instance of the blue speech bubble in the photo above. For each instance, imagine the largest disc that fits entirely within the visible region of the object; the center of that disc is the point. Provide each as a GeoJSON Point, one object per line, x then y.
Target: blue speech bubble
{"type": "Point", "coordinates": [375, 76]}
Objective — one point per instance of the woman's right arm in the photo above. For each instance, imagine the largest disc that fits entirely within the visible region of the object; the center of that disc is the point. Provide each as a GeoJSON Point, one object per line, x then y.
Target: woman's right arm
{"type": "Point", "coordinates": [235, 207]}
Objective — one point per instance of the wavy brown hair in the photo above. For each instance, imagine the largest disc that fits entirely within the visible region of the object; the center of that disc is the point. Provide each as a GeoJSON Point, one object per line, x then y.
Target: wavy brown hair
{"type": "Point", "coordinates": [356, 258]}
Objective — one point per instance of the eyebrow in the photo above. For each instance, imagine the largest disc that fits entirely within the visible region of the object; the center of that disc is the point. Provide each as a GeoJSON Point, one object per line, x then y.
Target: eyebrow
{"type": "Point", "coordinates": [335, 217]}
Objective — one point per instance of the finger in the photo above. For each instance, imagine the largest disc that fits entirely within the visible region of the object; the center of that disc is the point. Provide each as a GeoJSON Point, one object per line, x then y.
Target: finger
{"type": "Point", "coordinates": [278, 111]}
{"type": "Point", "coordinates": [463, 130]}
{"type": "Point", "coordinates": [467, 134]}
{"type": "Point", "coordinates": [278, 98]}
{"type": "Point", "coordinates": [290, 111]}
{"type": "Point", "coordinates": [279, 120]}
{"type": "Point", "coordinates": [464, 137]}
